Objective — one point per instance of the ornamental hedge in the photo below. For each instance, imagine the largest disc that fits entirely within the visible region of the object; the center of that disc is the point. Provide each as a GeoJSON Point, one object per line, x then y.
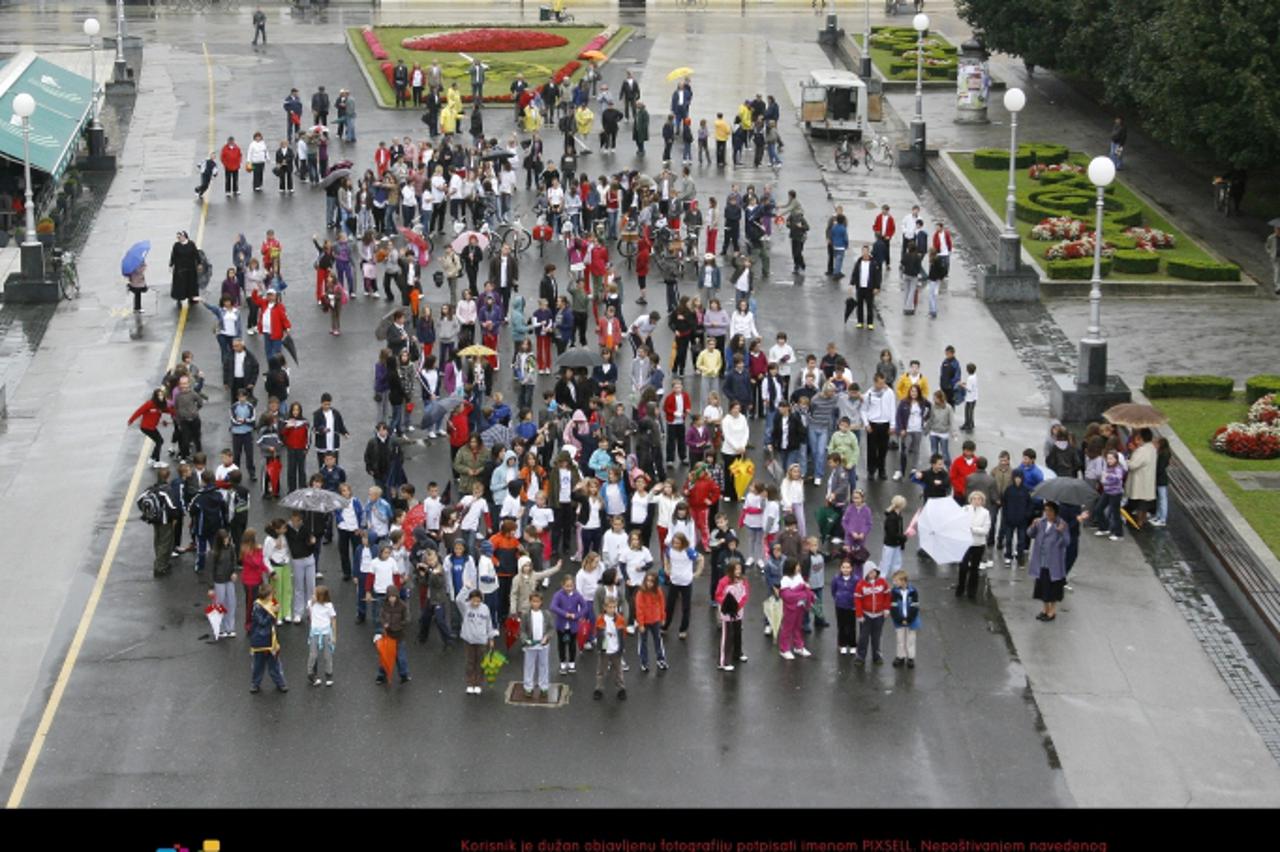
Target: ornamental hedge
{"type": "Point", "coordinates": [1259, 386]}
{"type": "Point", "coordinates": [1029, 153]}
{"type": "Point", "coordinates": [1197, 387]}
{"type": "Point", "coordinates": [1202, 270]}
{"type": "Point", "coordinates": [1136, 261]}
{"type": "Point", "coordinates": [1077, 269]}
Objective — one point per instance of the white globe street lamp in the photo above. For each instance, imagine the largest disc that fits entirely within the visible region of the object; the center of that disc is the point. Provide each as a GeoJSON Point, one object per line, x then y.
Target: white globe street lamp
{"type": "Point", "coordinates": [24, 106]}
{"type": "Point", "coordinates": [921, 24]}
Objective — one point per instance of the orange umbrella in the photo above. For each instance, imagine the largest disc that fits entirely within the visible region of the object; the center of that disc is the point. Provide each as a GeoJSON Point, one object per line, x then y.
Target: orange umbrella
{"type": "Point", "coordinates": [593, 54]}
{"type": "Point", "coordinates": [387, 654]}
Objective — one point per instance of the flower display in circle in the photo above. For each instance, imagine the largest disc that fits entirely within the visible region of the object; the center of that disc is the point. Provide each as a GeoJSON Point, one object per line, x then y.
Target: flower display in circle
{"type": "Point", "coordinates": [1040, 168]}
{"type": "Point", "coordinates": [1265, 410]}
{"type": "Point", "coordinates": [1059, 228]}
{"type": "Point", "coordinates": [1072, 249]}
{"type": "Point", "coordinates": [1258, 438]}
{"type": "Point", "coordinates": [485, 40]}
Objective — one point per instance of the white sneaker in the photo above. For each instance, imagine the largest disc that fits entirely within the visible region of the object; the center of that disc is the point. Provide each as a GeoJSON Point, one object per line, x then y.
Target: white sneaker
{"type": "Point", "coordinates": [990, 563]}
{"type": "Point", "coordinates": [804, 652]}
{"type": "Point", "coordinates": [1114, 537]}
{"type": "Point", "coordinates": [725, 668]}
{"type": "Point", "coordinates": [631, 629]}
{"type": "Point", "coordinates": [564, 667]}
{"type": "Point", "coordinates": [768, 631]}
{"type": "Point", "coordinates": [787, 655]}
{"type": "Point", "coordinates": [742, 658]}
{"type": "Point", "coordinates": [897, 475]}
{"type": "Point", "coordinates": [843, 650]}
{"type": "Point", "coordinates": [817, 480]}
{"type": "Point", "coordinates": [1100, 533]}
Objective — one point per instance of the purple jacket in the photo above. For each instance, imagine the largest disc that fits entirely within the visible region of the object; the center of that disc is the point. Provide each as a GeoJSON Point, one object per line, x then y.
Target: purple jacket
{"type": "Point", "coordinates": [490, 313]}
{"type": "Point", "coordinates": [1113, 480]}
{"type": "Point", "coordinates": [566, 604]}
{"type": "Point", "coordinates": [842, 590]}
{"type": "Point", "coordinates": [856, 521]}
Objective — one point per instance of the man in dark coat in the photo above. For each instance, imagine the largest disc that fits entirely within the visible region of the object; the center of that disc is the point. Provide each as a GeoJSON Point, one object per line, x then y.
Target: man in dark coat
{"type": "Point", "coordinates": [292, 114]}
{"type": "Point", "coordinates": [184, 261]}
{"type": "Point", "coordinates": [630, 94]}
{"type": "Point", "coordinates": [400, 82]}
{"type": "Point", "coordinates": [320, 106]}
{"type": "Point", "coordinates": [640, 129]}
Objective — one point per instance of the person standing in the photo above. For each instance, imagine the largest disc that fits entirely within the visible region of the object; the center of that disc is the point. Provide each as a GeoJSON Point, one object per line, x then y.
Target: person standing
{"type": "Point", "coordinates": [257, 160]}
{"type": "Point", "coordinates": [865, 281]}
{"type": "Point", "coordinates": [162, 515]}
{"type": "Point", "coordinates": [905, 612]}
{"type": "Point", "coordinates": [1273, 252]}
{"type": "Point", "coordinates": [323, 636]}
{"type": "Point", "coordinates": [731, 595]}
{"type": "Point", "coordinates": [184, 263]}
{"type": "Point", "coordinates": [630, 93]}
{"type": "Point", "coordinates": [292, 114]}
{"type": "Point", "coordinates": [400, 82]}
{"type": "Point", "coordinates": [871, 600]}
{"type": "Point", "coordinates": [285, 160]}
{"type": "Point", "coordinates": [979, 526]}
{"type": "Point", "coordinates": [535, 638]}
{"type": "Point", "coordinates": [884, 229]}
{"type": "Point", "coordinates": [231, 157]}
{"type": "Point", "coordinates": [320, 106]}
{"type": "Point", "coordinates": [942, 245]}
{"type": "Point", "coordinates": [1119, 135]}
{"type": "Point", "coordinates": [879, 407]}
{"type": "Point", "coordinates": [676, 409]}
{"type": "Point", "coordinates": [1047, 564]}
{"type": "Point", "coordinates": [327, 429]}
{"type": "Point", "coordinates": [476, 74]}
{"type": "Point", "coordinates": [263, 642]}
{"type": "Point", "coordinates": [260, 26]}
{"type": "Point", "coordinates": [394, 617]}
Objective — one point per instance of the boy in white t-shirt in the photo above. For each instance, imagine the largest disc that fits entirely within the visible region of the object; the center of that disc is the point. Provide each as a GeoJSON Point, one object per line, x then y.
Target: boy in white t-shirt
{"type": "Point", "coordinates": [475, 512]}
{"type": "Point", "coordinates": [784, 356]}
{"type": "Point", "coordinates": [970, 385]}
{"type": "Point", "coordinates": [323, 636]}
{"type": "Point", "coordinates": [614, 542]}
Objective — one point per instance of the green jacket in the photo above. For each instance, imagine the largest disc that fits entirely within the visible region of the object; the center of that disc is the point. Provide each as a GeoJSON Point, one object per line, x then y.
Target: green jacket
{"type": "Point", "coordinates": [640, 130]}
{"type": "Point", "coordinates": [464, 461]}
{"type": "Point", "coordinates": [846, 444]}
{"type": "Point", "coordinates": [579, 301]}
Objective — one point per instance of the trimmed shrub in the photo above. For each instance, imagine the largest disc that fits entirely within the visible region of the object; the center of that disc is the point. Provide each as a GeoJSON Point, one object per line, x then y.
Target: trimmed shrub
{"type": "Point", "coordinates": [1079, 269]}
{"type": "Point", "coordinates": [1202, 270]}
{"type": "Point", "coordinates": [1122, 241]}
{"type": "Point", "coordinates": [1029, 153]}
{"type": "Point", "coordinates": [1259, 386]}
{"type": "Point", "coordinates": [1197, 387]}
{"type": "Point", "coordinates": [1136, 261]}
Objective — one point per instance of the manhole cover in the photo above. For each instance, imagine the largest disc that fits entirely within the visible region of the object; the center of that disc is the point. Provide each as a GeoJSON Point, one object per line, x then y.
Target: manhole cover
{"type": "Point", "coordinates": [557, 695]}
{"type": "Point", "coordinates": [1257, 480]}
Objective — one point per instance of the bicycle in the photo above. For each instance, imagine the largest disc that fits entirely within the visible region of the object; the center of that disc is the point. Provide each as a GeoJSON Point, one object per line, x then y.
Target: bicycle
{"type": "Point", "coordinates": [513, 234]}
{"type": "Point", "coordinates": [846, 159]}
{"type": "Point", "coordinates": [878, 149]}
{"type": "Point", "coordinates": [1222, 195]}
{"type": "Point", "coordinates": [64, 267]}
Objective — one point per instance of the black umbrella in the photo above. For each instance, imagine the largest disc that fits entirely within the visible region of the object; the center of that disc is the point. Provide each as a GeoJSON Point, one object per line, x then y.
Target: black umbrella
{"type": "Point", "coordinates": [579, 357]}
{"type": "Point", "coordinates": [1077, 492]}
{"type": "Point", "coordinates": [497, 155]}
{"type": "Point", "coordinates": [384, 325]}
{"type": "Point", "coordinates": [333, 176]}
{"type": "Point", "coordinates": [290, 347]}
{"type": "Point", "coordinates": [314, 500]}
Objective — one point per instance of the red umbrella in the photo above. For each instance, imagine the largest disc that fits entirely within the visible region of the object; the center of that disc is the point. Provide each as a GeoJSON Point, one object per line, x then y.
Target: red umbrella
{"type": "Point", "coordinates": [584, 633]}
{"type": "Point", "coordinates": [511, 630]}
{"type": "Point", "coordinates": [387, 654]}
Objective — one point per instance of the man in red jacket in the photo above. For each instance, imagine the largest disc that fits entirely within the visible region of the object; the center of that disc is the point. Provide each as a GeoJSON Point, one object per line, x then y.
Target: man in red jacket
{"type": "Point", "coordinates": [964, 465]}
{"type": "Point", "coordinates": [231, 161]}
{"type": "Point", "coordinates": [884, 228]}
{"type": "Point", "coordinates": [676, 410]}
{"type": "Point", "coordinates": [273, 321]}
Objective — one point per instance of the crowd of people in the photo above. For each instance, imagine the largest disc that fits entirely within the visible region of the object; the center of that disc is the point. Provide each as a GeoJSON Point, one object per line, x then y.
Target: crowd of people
{"type": "Point", "coordinates": [583, 518]}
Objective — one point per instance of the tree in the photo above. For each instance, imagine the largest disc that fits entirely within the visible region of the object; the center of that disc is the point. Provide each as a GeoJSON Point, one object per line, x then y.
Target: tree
{"type": "Point", "coordinates": [1032, 29]}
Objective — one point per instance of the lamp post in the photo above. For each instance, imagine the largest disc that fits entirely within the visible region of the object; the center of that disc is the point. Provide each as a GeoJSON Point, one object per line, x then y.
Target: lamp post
{"type": "Point", "coordinates": [864, 66]}
{"type": "Point", "coordinates": [1010, 242]}
{"type": "Point", "coordinates": [1092, 370]}
{"type": "Point", "coordinates": [921, 25]}
{"type": "Point", "coordinates": [120, 74]}
{"type": "Point", "coordinates": [24, 106]}
{"type": "Point", "coordinates": [96, 141]}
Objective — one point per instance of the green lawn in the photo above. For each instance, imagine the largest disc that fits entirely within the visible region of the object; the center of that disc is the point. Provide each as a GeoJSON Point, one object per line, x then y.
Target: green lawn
{"type": "Point", "coordinates": [993, 185]}
{"type": "Point", "coordinates": [881, 59]}
{"type": "Point", "coordinates": [536, 65]}
{"type": "Point", "coordinates": [1195, 421]}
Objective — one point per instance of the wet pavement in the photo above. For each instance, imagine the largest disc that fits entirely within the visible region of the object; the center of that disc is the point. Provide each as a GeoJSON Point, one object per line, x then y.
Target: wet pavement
{"type": "Point", "coordinates": [155, 715]}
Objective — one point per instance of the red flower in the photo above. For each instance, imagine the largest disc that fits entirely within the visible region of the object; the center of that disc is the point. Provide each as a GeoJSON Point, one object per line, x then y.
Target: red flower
{"type": "Point", "coordinates": [375, 46]}
{"type": "Point", "coordinates": [486, 40]}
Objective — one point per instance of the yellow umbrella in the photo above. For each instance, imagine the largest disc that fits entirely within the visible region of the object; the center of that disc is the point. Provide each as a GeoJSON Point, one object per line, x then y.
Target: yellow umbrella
{"type": "Point", "coordinates": [594, 54]}
{"type": "Point", "coordinates": [682, 71]}
{"type": "Point", "coordinates": [476, 349]}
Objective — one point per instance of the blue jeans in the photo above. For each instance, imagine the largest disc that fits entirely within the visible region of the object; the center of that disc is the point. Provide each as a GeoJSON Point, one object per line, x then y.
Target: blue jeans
{"type": "Point", "coordinates": [818, 450]}
{"type": "Point", "coordinates": [396, 424]}
{"type": "Point", "coordinates": [933, 298]}
{"type": "Point", "coordinates": [790, 457]}
{"type": "Point", "coordinates": [272, 347]}
{"type": "Point", "coordinates": [772, 149]}
{"type": "Point", "coordinates": [351, 127]}
{"type": "Point", "coordinates": [330, 209]}
{"type": "Point", "coordinates": [837, 265]}
{"type": "Point", "coordinates": [654, 632]}
{"type": "Point", "coordinates": [1162, 504]}
{"type": "Point", "coordinates": [942, 445]}
{"type": "Point", "coordinates": [1116, 153]}
{"type": "Point", "coordinates": [270, 663]}
{"type": "Point", "coordinates": [890, 560]}
{"type": "Point", "coordinates": [402, 664]}
{"type": "Point", "coordinates": [433, 416]}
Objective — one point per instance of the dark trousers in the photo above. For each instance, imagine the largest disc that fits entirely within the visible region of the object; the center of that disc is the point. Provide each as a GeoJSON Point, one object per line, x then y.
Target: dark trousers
{"type": "Point", "coordinates": [967, 581]}
{"type": "Point", "coordinates": [438, 615]}
{"type": "Point", "coordinates": [831, 259]}
{"type": "Point", "coordinates": [797, 254]}
{"type": "Point", "coordinates": [157, 441]}
{"type": "Point", "coordinates": [730, 641]}
{"type": "Point", "coordinates": [720, 146]}
{"type": "Point", "coordinates": [877, 448]}
{"type": "Point", "coordinates": [968, 416]}
{"type": "Point", "coordinates": [563, 527]}
{"type": "Point", "coordinates": [259, 169]}
{"type": "Point", "coordinates": [870, 635]}
{"type": "Point", "coordinates": [297, 464]}
{"type": "Point", "coordinates": [685, 596]}
{"type": "Point", "coordinates": [189, 437]}
{"type": "Point", "coordinates": [232, 180]}
{"type": "Point", "coordinates": [242, 445]}
{"type": "Point", "coordinates": [1007, 533]}
{"type": "Point", "coordinates": [270, 663]}
{"type": "Point", "coordinates": [567, 646]}
{"type": "Point", "coordinates": [580, 326]}
{"type": "Point", "coordinates": [675, 442]}
{"type": "Point", "coordinates": [867, 305]}
{"type": "Point", "coordinates": [846, 628]}
{"type": "Point", "coordinates": [286, 178]}
{"type": "Point", "coordinates": [163, 543]}
{"type": "Point", "coordinates": [260, 30]}
{"type": "Point", "coordinates": [349, 547]}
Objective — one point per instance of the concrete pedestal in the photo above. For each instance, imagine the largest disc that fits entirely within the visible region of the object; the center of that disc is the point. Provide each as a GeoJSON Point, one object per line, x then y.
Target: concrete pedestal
{"type": "Point", "coordinates": [1092, 366]}
{"type": "Point", "coordinates": [1073, 403]}
{"type": "Point", "coordinates": [19, 290]}
{"type": "Point", "coordinates": [1010, 256]}
{"type": "Point", "coordinates": [32, 255]}
{"type": "Point", "coordinates": [1020, 285]}
{"type": "Point", "coordinates": [913, 156]}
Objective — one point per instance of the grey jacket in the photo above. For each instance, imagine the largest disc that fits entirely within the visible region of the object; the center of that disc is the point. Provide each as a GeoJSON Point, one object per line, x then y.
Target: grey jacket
{"type": "Point", "coordinates": [526, 627]}
{"type": "Point", "coordinates": [477, 628]}
{"type": "Point", "coordinates": [940, 420]}
{"type": "Point", "coordinates": [599, 598]}
{"type": "Point", "coordinates": [188, 404]}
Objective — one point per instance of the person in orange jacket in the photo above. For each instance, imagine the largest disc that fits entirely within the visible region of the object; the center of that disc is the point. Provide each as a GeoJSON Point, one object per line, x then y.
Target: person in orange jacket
{"type": "Point", "coordinates": [609, 329]}
{"type": "Point", "coordinates": [871, 601]}
{"type": "Point", "coordinates": [651, 612]}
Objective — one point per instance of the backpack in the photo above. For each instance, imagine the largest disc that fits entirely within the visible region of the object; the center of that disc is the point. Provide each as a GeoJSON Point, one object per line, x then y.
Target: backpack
{"type": "Point", "coordinates": [151, 506]}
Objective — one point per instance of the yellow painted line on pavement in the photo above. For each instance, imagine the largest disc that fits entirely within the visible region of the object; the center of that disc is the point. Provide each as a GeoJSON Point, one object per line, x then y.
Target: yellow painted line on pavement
{"type": "Point", "coordinates": [117, 533]}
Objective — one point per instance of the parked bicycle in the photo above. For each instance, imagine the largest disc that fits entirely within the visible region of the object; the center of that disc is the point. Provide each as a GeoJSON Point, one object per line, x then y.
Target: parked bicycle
{"type": "Point", "coordinates": [64, 267]}
{"type": "Point", "coordinates": [878, 149]}
{"type": "Point", "coordinates": [847, 155]}
{"type": "Point", "coordinates": [1222, 195]}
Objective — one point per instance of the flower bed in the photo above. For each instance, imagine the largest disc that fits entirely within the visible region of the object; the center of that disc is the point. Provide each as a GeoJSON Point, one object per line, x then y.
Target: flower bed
{"type": "Point", "coordinates": [1150, 239]}
{"type": "Point", "coordinates": [1059, 228]}
{"type": "Point", "coordinates": [1039, 171]}
{"type": "Point", "coordinates": [1073, 249]}
{"type": "Point", "coordinates": [1258, 437]}
{"type": "Point", "coordinates": [893, 52]}
{"type": "Point", "coordinates": [599, 41]}
{"type": "Point", "coordinates": [487, 40]}
{"type": "Point", "coordinates": [375, 46]}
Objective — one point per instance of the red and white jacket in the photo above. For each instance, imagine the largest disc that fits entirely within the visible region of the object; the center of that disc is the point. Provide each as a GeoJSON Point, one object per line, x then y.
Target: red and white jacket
{"type": "Point", "coordinates": [280, 324]}
{"type": "Point", "coordinates": [669, 408]}
{"type": "Point", "coordinates": [871, 598]}
{"type": "Point", "coordinates": [942, 242]}
{"type": "Point", "coordinates": [884, 226]}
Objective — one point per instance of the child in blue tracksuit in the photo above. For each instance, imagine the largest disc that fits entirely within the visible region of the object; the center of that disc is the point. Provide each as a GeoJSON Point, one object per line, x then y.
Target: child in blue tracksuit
{"type": "Point", "coordinates": [905, 612]}
{"type": "Point", "coordinates": [842, 588]}
{"type": "Point", "coordinates": [773, 576]}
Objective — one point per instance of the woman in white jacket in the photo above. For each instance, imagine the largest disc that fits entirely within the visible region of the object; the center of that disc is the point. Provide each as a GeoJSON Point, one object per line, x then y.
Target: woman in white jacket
{"type": "Point", "coordinates": [257, 155]}
{"type": "Point", "coordinates": [979, 525]}
{"type": "Point", "coordinates": [735, 431]}
{"type": "Point", "coordinates": [743, 322]}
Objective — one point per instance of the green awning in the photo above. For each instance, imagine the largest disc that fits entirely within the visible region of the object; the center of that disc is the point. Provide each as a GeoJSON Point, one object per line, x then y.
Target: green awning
{"type": "Point", "coordinates": [63, 101]}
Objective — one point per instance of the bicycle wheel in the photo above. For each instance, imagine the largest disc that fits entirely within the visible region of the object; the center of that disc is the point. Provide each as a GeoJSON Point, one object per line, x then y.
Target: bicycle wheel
{"type": "Point", "coordinates": [885, 153]}
{"type": "Point", "coordinates": [627, 249]}
{"type": "Point", "coordinates": [867, 159]}
{"type": "Point", "coordinates": [519, 240]}
{"type": "Point", "coordinates": [844, 160]}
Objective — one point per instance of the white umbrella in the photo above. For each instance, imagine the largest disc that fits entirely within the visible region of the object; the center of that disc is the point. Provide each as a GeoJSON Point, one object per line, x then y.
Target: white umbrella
{"type": "Point", "coordinates": [943, 528]}
{"type": "Point", "coordinates": [214, 613]}
{"type": "Point", "coordinates": [1046, 473]}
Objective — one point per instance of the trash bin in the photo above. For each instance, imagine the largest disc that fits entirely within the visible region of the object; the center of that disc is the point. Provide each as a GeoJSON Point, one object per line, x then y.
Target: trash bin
{"type": "Point", "coordinates": [544, 13]}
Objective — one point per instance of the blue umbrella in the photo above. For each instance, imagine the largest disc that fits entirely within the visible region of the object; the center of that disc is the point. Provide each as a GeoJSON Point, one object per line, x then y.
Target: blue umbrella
{"type": "Point", "coordinates": [135, 257]}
